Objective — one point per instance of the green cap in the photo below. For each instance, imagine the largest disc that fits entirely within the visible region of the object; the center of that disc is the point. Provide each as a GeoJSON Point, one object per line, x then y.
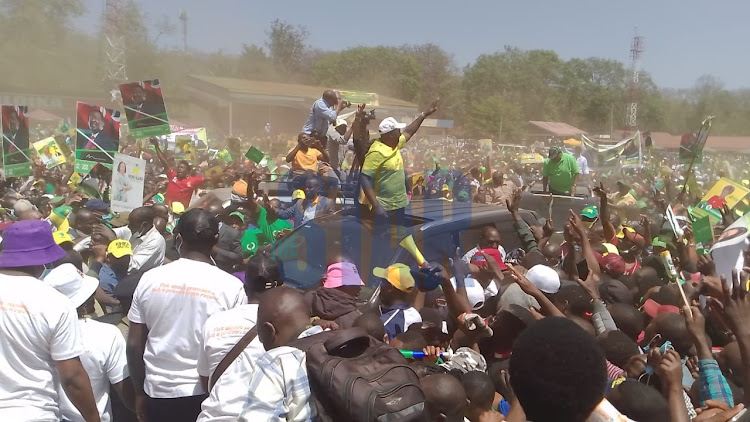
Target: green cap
{"type": "Point", "coordinates": [238, 214]}
{"type": "Point", "coordinates": [590, 212]}
{"type": "Point", "coordinates": [658, 243]}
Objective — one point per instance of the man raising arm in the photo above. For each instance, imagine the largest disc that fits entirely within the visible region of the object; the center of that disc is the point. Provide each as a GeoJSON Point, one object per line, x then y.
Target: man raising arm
{"type": "Point", "coordinates": [383, 179]}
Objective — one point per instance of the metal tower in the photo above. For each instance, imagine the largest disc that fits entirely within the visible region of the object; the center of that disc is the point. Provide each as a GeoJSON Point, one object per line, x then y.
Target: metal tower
{"type": "Point", "coordinates": [114, 47]}
{"type": "Point", "coordinates": [636, 49]}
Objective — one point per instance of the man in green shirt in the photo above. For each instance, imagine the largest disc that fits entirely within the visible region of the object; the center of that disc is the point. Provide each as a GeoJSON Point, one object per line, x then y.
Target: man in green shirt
{"type": "Point", "coordinates": [560, 172]}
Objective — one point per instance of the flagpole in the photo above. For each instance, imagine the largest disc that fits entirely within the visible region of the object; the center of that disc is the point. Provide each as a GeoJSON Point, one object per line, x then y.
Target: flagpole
{"type": "Point", "coordinates": [687, 174]}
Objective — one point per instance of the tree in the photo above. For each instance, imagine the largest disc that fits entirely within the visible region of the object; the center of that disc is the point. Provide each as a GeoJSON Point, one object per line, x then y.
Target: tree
{"type": "Point", "coordinates": [253, 63]}
{"type": "Point", "coordinates": [437, 75]}
{"type": "Point", "coordinates": [496, 117]}
{"type": "Point", "coordinates": [286, 46]}
{"type": "Point", "coordinates": [384, 70]}
{"type": "Point", "coordinates": [526, 78]}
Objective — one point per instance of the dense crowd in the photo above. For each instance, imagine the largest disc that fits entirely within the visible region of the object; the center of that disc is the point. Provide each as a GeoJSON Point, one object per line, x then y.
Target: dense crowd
{"type": "Point", "coordinates": [178, 310]}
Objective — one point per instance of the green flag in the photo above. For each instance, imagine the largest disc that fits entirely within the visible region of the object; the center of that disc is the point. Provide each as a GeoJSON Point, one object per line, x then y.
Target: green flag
{"type": "Point", "coordinates": [254, 154]}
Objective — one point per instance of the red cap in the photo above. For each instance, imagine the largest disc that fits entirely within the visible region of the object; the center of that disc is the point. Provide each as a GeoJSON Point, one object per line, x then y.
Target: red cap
{"type": "Point", "coordinates": [479, 261]}
{"type": "Point", "coordinates": [652, 308]}
{"type": "Point", "coordinates": [612, 264]}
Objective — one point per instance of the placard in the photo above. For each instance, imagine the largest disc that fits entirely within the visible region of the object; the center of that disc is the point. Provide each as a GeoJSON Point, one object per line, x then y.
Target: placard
{"type": "Point", "coordinates": [144, 109]}
{"type": "Point", "coordinates": [127, 183]}
{"type": "Point", "coordinates": [97, 136]}
{"type": "Point", "coordinates": [15, 126]}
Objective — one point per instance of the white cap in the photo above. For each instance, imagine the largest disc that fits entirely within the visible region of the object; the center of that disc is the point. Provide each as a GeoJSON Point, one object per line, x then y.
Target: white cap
{"type": "Point", "coordinates": [544, 278]}
{"type": "Point", "coordinates": [67, 280]}
{"type": "Point", "coordinates": [389, 124]}
{"type": "Point", "coordinates": [474, 292]}
{"type": "Point", "coordinates": [340, 122]}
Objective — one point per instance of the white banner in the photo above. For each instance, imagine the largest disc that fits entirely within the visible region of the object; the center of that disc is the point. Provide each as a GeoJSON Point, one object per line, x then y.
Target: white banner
{"type": "Point", "coordinates": [127, 182]}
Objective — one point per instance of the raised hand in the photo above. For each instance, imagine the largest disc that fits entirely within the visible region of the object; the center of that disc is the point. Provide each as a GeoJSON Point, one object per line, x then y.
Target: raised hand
{"type": "Point", "coordinates": [736, 303]}
{"type": "Point", "coordinates": [433, 108]}
{"type": "Point", "coordinates": [601, 191]}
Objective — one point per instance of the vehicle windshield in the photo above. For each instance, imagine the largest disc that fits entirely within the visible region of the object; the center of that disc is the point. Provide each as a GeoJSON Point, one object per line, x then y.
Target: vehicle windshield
{"type": "Point", "coordinates": [307, 251]}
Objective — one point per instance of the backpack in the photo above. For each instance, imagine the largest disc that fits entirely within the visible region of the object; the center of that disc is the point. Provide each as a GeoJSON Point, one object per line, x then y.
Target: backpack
{"type": "Point", "coordinates": [354, 377]}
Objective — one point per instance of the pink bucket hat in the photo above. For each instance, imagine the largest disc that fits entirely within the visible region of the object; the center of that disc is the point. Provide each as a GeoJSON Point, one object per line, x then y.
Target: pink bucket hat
{"type": "Point", "coordinates": [342, 274]}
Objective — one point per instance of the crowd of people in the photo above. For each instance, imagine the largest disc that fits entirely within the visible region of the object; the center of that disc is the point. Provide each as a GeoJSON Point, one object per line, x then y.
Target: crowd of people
{"type": "Point", "coordinates": [178, 310]}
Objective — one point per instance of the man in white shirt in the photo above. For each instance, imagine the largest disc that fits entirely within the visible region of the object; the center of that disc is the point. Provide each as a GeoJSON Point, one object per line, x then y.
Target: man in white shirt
{"type": "Point", "coordinates": [148, 244]}
{"type": "Point", "coordinates": [104, 359]}
{"type": "Point", "coordinates": [221, 333]}
{"type": "Point", "coordinates": [170, 307]}
{"type": "Point", "coordinates": [41, 342]}
{"type": "Point", "coordinates": [583, 162]}
{"type": "Point", "coordinates": [279, 389]}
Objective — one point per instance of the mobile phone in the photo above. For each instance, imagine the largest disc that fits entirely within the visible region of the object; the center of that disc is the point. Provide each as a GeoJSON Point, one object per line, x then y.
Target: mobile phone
{"type": "Point", "coordinates": [743, 416]}
{"type": "Point", "coordinates": [583, 269]}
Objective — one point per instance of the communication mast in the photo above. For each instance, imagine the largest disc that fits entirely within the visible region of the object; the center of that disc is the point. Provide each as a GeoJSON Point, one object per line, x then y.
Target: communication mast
{"type": "Point", "coordinates": [636, 50]}
{"type": "Point", "coordinates": [114, 47]}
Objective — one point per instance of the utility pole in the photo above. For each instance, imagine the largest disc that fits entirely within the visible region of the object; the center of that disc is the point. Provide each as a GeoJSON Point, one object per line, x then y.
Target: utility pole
{"type": "Point", "coordinates": [114, 48]}
{"type": "Point", "coordinates": [636, 50]}
{"type": "Point", "coordinates": [184, 18]}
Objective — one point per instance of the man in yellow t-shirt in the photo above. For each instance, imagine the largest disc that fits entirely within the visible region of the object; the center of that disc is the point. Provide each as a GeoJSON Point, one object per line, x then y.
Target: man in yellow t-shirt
{"type": "Point", "coordinates": [383, 177]}
{"type": "Point", "coordinates": [306, 154]}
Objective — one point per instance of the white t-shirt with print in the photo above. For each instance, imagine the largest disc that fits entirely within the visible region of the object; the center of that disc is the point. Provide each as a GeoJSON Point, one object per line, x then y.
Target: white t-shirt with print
{"type": "Point", "coordinates": [228, 395]}
{"type": "Point", "coordinates": [221, 332]}
{"type": "Point", "coordinates": [173, 302]}
{"type": "Point", "coordinates": [38, 326]}
{"type": "Point", "coordinates": [105, 363]}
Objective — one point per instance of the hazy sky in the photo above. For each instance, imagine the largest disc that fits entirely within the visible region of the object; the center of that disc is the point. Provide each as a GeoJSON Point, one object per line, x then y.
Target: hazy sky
{"type": "Point", "coordinates": [684, 38]}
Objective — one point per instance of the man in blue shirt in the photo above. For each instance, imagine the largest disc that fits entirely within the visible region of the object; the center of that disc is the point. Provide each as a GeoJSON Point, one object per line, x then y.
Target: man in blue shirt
{"type": "Point", "coordinates": [324, 112]}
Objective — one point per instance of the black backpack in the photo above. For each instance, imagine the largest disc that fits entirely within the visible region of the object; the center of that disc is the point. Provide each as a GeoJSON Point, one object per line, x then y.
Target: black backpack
{"type": "Point", "coordinates": [354, 377]}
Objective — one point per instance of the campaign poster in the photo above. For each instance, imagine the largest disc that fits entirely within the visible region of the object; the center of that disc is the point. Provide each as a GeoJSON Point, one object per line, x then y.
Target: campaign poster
{"type": "Point", "coordinates": [15, 127]}
{"type": "Point", "coordinates": [691, 145]}
{"type": "Point", "coordinates": [723, 192]}
{"type": "Point", "coordinates": [144, 109]}
{"type": "Point", "coordinates": [184, 149]}
{"type": "Point", "coordinates": [127, 183]}
{"type": "Point", "coordinates": [97, 136]}
{"type": "Point", "coordinates": [727, 251]}
{"type": "Point", "coordinates": [50, 152]}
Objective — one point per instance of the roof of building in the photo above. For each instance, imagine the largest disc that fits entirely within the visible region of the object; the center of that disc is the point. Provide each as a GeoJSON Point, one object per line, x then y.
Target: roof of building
{"type": "Point", "coordinates": [276, 89]}
{"type": "Point", "coordinates": [557, 128]}
{"type": "Point", "coordinates": [714, 142]}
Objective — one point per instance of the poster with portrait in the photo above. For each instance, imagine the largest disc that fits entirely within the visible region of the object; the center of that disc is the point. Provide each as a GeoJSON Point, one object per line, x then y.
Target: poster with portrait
{"type": "Point", "coordinates": [97, 136]}
{"type": "Point", "coordinates": [723, 192]}
{"type": "Point", "coordinates": [49, 152]}
{"type": "Point", "coordinates": [727, 251]}
{"type": "Point", "coordinates": [144, 109]}
{"type": "Point", "coordinates": [15, 127]}
{"type": "Point", "coordinates": [127, 183]}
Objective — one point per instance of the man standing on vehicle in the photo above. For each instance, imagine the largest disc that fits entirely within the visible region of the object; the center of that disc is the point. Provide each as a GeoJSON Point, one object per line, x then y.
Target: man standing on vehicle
{"type": "Point", "coordinates": [560, 172]}
{"type": "Point", "coordinates": [324, 112]}
{"type": "Point", "coordinates": [383, 176]}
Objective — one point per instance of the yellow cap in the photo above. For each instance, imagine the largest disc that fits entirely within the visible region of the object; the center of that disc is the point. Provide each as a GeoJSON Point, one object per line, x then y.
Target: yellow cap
{"type": "Point", "coordinates": [399, 275]}
{"type": "Point", "coordinates": [119, 248]}
{"type": "Point", "coordinates": [611, 248]}
{"type": "Point", "coordinates": [298, 194]}
{"type": "Point", "coordinates": [61, 237]}
{"type": "Point", "coordinates": [240, 188]}
{"type": "Point", "coordinates": [177, 207]}
{"type": "Point", "coordinates": [446, 188]}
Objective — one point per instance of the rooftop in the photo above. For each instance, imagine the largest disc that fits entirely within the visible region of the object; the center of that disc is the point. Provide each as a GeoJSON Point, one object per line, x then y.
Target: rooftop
{"type": "Point", "coordinates": [557, 128]}
{"type": "Point", "coordinates": [246, 87]}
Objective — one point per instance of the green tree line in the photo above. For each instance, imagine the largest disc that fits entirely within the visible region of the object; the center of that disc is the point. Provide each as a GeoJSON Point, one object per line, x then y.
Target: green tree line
{"type": "Point", "coordinates": [492, 97]}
